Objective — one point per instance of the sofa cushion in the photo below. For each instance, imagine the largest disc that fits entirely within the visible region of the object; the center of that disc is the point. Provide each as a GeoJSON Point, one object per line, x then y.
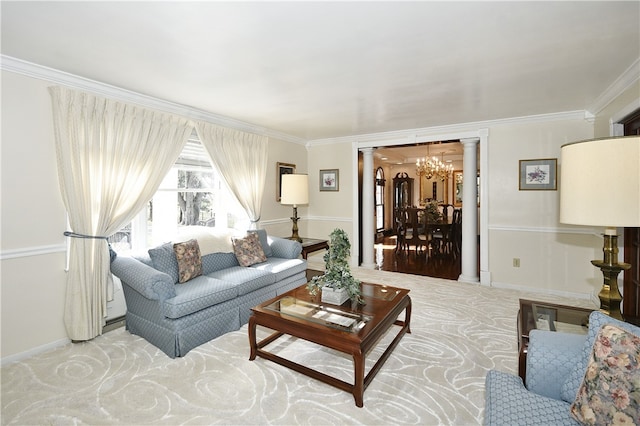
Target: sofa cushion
{"type": "Point", "coordinates": [508, 402]}
{"type": "Point", "coordinates": [610, 391]}
{"type": "Point", "coordinates": [189, 260]}
{"type": "Point", "coordinates": [164, 260]}
{"type": "Point", "coordinates": [199, 293]}
{"type": "Point", "coordinates": [246, 279]}
{"type": "Point", "coordinates": [597, 319]}
{"type": "Point", "coordinates": [217, 261]}
{"type": "Point", "coordinates": [282, 268]}
{"type": "Point", "coordinates": [264, 241]}
{"type": "Point", "coordinates": [248, 250]}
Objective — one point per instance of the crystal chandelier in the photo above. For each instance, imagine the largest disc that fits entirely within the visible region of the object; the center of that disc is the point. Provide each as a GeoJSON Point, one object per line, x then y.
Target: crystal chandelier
{"type": "Point", "coordinates": [432, 167]}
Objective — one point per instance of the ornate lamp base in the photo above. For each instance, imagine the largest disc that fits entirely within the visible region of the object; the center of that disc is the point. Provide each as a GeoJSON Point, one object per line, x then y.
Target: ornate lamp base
{"type": "Point", "coordinates": [294, 230]}
{"type": "Point", "coordinates": [610, 297]}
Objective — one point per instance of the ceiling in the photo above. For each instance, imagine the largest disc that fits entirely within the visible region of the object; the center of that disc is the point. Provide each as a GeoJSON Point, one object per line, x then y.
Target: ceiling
{"type": "Point", "coordinates": [316, 70]}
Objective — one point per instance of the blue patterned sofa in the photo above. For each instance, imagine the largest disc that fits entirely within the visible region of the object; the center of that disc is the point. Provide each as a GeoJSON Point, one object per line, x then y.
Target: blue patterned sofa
{"type": "Point", "coordinates": [556, 366]}
{"type": "Point", "coordinates": [177, 317]}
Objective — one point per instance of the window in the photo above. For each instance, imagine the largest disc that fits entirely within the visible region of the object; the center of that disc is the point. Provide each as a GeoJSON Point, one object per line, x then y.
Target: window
{"type": "Point", "coordinates": [380, 199]}
{"type": "Point", "coordinates": [191, 194]}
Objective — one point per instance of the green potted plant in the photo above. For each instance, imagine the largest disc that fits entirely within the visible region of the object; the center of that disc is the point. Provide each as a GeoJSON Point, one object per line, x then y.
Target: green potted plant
{"type": "Point", "coordinates": [337, 276]}
{"type": "Point", "coordinates": [432, 212]}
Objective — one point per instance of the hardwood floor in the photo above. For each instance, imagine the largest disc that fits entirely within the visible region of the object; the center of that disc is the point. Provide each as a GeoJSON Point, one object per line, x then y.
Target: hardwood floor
{"type": "Point", "coordinates": [433, 266]}
{"type": "Point", "coordinates": [442, 266]}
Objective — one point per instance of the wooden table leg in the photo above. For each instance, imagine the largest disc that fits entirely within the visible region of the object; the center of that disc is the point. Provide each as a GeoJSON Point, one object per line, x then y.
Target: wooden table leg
{"type": "Point", "coordinates": [252, 338]}
{"type": "Point", "coordinates": [358, 383]}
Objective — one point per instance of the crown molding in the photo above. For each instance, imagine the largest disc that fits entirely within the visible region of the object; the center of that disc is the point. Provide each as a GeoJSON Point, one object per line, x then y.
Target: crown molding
{"type": "Point", "coordinates": [472, 129]}
{"type": "Point", "coordinates": [622, 83]}
{"type": "Point", "coordinates": [29, 69]}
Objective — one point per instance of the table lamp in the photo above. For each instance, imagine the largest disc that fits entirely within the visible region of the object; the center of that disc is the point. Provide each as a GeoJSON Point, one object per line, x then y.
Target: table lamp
{"type": "Point", "coordinates": [591, 195]}
{"type": "Point", "coordinates": [295, 191]}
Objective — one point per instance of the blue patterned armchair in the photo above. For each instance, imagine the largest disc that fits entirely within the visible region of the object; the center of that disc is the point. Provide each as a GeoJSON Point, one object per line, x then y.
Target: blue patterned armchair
{"type": "Point", "coordinates": [556, 366]}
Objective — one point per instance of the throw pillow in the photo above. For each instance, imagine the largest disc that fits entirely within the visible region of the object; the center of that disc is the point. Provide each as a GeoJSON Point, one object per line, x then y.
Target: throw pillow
{"type": "Point", "coordinates": [189, 260]}
{"type": "Point", "coordinates": [264, 241]}
{"type": "Point", "coordinates": [610, 391]}
{"type": "Point", "coordinates": [597, 319]}
{"type": "Point", "coordinates": [163, 258]}
{"type": "Point", "coordinates": [248, 250]}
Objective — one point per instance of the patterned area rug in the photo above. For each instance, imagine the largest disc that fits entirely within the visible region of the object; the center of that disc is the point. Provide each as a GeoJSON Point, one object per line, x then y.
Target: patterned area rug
{"type": "Point", "coordinates": [434, 376]}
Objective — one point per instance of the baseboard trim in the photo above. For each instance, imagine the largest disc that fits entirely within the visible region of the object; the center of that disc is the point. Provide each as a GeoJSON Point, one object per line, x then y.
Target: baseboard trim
{"type": "Point", "coordinates": [568, 294]}
{"type": "Point", "coordinates": [33, 352]}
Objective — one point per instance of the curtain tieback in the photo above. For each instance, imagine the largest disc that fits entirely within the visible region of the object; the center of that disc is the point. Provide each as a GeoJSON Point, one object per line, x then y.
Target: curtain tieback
{"type": "Point", "coordinates": [76, 235]}
{"type": "Point", "coordinates": [112, 253]}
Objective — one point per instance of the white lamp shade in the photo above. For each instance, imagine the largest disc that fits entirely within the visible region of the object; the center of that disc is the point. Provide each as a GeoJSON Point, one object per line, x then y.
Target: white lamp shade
{"type": "Point", "coordinates": [600, 182]}
{"type": "Point", "coordinates": [294, 189]}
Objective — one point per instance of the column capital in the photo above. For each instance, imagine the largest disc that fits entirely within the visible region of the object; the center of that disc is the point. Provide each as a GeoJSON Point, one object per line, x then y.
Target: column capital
{"type": "Point", "coordinates": [466, 141]}
{"type": "Point", "coordinates": [367, 149]}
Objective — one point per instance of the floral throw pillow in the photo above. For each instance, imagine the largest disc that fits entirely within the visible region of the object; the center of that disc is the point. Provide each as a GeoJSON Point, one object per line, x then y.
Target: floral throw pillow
{"type": "Point", "coordinates": [189, 260]}
{"type": "Point", "coordinates": [248, 250]}
{"type": "Point", "coordinates": [610, 391]}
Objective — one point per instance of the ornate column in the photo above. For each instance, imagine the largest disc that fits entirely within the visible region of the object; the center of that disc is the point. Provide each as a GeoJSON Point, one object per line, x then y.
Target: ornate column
{"type": "Point", "coordinates": [469, 212]}
{"type": "Point", "coordinates": [368, 207]}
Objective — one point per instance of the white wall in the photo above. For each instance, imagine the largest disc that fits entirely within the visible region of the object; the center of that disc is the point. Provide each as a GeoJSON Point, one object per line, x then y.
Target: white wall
{"type": "Point", "coordinates": [33, 220]}
{"type": "Point", "coordinates": [525, 224]}
{"type": "Point", "coordinates": [329, 210]}
{"type": "Point", "coordinates": [275, 217]}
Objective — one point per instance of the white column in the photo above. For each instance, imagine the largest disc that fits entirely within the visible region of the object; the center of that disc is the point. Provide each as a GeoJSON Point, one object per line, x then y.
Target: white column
{"type": "Point", "coordinates": [469, 251]}
{"type": "Point", "coordinates": [368, 224]}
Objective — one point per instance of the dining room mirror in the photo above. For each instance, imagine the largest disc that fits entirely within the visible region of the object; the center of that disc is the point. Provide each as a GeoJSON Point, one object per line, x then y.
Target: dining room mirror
{"type": "Point", "coordinates": [433, 189]}
{"type": "Point", "coordinates": [456, 188]}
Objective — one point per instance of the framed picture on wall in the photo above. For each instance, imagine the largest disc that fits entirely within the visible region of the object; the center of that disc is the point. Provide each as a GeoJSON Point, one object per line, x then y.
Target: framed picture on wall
{"type": "Point", "coordinates": [329, 180]}
{"type": "Point", "coordinates": [282, 169]}
{"type": "Point", "coordinates": [538, 174]}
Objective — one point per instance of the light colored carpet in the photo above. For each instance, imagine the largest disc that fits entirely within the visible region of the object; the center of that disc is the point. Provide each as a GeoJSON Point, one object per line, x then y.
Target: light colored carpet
{"type": "Point", "coordinates": [434, 376]}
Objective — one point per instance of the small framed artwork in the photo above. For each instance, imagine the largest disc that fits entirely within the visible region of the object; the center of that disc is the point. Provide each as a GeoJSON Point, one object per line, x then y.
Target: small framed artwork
{"type": "Point", "coordinates": [282, 169]}
{"type": "Point", "coordinates": [329, 180]}
{"type": "Point", "coordinates": [538, 174]}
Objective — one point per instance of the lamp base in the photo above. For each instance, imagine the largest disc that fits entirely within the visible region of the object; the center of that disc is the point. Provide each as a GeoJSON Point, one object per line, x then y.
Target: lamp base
{"type": "Point", "coordinates": [294, 230]}
{"type": "Point", "coordinates": [610, 297]}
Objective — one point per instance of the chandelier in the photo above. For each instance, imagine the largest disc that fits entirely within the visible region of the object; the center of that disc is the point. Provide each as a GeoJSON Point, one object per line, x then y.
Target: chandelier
{"type": "Point", "coordinates": [432, 167]}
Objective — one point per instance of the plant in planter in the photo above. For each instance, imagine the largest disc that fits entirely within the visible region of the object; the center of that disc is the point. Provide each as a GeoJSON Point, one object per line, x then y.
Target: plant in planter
{"type": "Point", "coordinates": [432, 212]}
{"type": "Point", "coordinates": [337, 274]}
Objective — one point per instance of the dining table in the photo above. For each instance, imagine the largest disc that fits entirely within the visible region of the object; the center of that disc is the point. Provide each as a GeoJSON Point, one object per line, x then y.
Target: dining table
{"type": "Point", "coordinates": [414, 229]}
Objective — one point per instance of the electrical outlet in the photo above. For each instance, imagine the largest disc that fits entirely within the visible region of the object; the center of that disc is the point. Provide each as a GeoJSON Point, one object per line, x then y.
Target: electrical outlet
{"type": "Point", "coordinates": [516, 262]}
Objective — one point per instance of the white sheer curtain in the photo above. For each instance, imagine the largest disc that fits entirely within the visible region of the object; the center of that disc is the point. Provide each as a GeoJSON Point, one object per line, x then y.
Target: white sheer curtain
{"type": "Point", "coordinates": [111, 159]}
{"type": "Point", "coordinates": [241, 159]}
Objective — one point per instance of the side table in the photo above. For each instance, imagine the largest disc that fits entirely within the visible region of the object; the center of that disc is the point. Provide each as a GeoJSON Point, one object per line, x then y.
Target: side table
{"type": "Point", "coordinates": [309, 245]}
{"type": "Point", "coordinates": [547, 316]}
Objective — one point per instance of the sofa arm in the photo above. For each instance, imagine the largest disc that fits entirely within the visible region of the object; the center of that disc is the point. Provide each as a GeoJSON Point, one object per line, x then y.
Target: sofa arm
{"type": "Point", "coordinates": [149, 282]}
{"type": "Point", "coordinates": [550, 358]}
{"type": "Point", "coordinates": [284, 248]}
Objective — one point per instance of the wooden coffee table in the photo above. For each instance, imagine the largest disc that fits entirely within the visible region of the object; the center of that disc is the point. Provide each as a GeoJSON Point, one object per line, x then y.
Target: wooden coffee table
{"type": "Point", "coordinates": [352, 331]}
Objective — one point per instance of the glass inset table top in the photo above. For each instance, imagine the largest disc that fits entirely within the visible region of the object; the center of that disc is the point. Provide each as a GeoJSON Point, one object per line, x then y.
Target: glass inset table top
{"type": "Point", "coordinates": [320, 314]}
